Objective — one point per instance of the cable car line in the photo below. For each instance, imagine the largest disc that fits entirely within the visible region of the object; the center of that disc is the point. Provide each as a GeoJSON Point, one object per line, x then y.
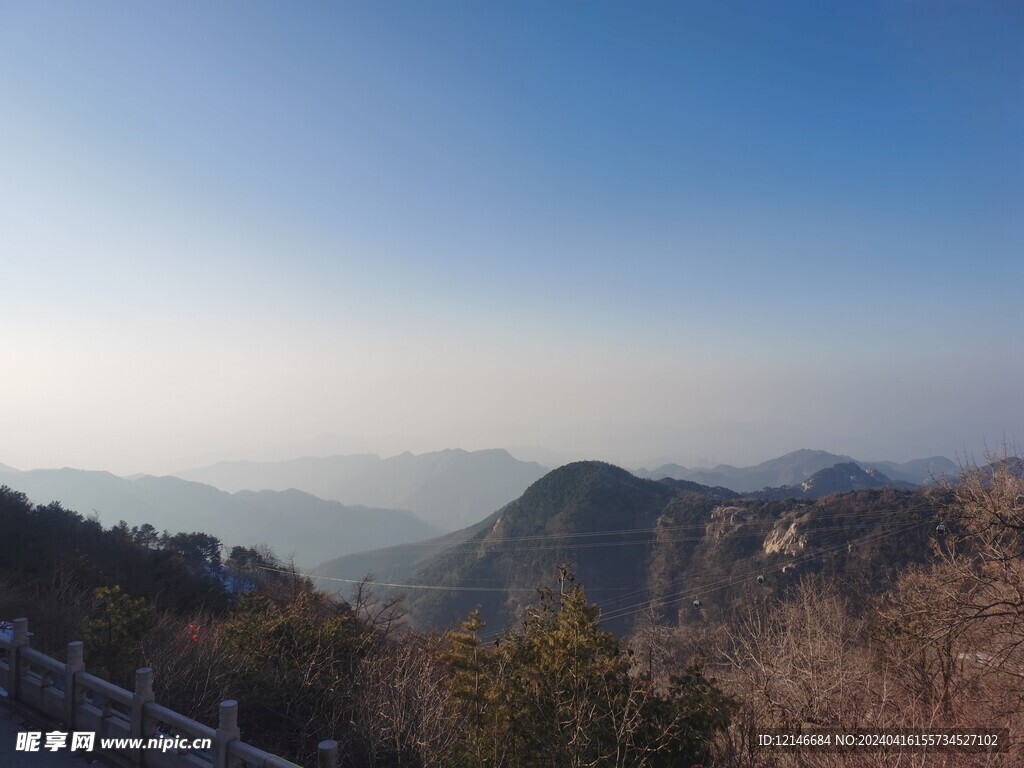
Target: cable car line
{"type": "Point", "coordinates": [474, 543]}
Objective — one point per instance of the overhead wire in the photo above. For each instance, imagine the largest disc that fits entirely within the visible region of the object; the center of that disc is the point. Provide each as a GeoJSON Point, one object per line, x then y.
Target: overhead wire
{"type": "Point", "coordinates": [594, 545]}
{"type": "Point", "coordinates": [491, 542]}
{"type": "Point", "coordinates": [720, 585]}
{"type": "Point", "coordinates": [390, 584]}
{"type": "Point", "coordinates": [704, 590]}
{"type": "Point", "coordinates": [847, 544]}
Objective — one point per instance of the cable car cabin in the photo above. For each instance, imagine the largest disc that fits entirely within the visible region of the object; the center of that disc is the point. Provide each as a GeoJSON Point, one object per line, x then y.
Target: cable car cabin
{"type": "Point", "coordinates": [696, 603]}
{"type": "Point", "coordinates": [940, 529]}
{"type": "Point", "coordinates": [760, 579]}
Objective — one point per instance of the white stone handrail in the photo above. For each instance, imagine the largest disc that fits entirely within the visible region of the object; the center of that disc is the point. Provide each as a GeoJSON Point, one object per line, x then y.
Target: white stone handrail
{"type": "Point", "coordinates": [65, 692]}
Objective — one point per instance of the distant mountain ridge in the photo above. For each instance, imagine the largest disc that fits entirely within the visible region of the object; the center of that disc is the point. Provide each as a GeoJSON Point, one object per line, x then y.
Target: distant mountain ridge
{"type": "Point", "coordinates": [840, 478]}
{"type": "Point", "coordinates": [290, 522]}
{"type": "Point", "coordinates": [796, 467]}
{"type": "Point", "coordinates": [318, 475]}
{"type": "Point", "coordinates": [450, 489]}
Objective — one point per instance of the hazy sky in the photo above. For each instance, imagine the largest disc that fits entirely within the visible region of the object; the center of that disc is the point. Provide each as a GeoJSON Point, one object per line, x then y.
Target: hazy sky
{"type": "Point", "coordinates": [709, 231]}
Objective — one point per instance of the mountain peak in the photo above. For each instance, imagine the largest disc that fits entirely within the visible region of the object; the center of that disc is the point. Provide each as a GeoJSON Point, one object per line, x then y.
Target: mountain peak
{"type": "Point", "coordinates": [841, 477]}
{"type": "Point", "coordinates": [584, 496]}
{"type": "Point", "coordinates": [584, 475]}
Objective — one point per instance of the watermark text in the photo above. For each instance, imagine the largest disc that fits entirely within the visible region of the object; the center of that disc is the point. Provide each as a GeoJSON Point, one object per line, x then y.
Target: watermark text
{"type": "Point", "coordinates": [85, 741]}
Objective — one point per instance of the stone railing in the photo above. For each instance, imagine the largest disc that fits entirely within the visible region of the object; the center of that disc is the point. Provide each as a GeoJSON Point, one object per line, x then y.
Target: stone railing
{"type": "Point", "coordinates": [65, 692]}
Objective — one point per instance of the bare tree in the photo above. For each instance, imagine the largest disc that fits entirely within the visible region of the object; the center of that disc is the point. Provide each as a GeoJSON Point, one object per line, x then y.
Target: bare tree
{"type": "Point", "coordinates": [801, 660]}
{"type": "Point", "coordinates": [404, 715]}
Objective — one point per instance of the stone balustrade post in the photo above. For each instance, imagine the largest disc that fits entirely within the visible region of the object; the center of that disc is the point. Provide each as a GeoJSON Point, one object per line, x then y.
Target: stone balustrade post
{"type": "Point", "coordinates": [327, 754]}
{"type": "Point", "coordinates": [72, 696]}
{"type": "Point", "coordinates": [143, 696]}
{"type": "Point", "coordinates": [19, 640]}
{"type": "Point", "coordinates": [227, 731]}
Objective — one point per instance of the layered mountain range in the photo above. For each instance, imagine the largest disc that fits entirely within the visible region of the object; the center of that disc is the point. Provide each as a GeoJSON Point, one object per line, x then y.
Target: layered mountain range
{"type": "Point", "coordinates": [450, 489]}
{"type": "Point", "coordinates": [294, 523]}
{"type": "Point", "coordinates": [796, 467]}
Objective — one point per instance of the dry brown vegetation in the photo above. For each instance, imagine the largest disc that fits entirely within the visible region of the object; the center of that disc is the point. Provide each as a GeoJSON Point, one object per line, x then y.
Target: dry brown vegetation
{"type": "Point", "coordinates": [941, 649]}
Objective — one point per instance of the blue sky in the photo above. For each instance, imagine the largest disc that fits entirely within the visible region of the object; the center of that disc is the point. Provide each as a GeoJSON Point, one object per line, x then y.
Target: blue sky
{"type": "Point", "coordinates": [706, 231]}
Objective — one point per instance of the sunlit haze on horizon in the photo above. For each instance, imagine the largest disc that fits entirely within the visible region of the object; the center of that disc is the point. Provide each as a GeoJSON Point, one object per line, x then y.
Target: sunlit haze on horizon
{"type": "Point", "coordinates": [699, 232]}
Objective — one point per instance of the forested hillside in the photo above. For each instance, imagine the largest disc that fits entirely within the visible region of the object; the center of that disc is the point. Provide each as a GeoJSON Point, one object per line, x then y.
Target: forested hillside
{"type": "Point", "coordinates": [641, 545]}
